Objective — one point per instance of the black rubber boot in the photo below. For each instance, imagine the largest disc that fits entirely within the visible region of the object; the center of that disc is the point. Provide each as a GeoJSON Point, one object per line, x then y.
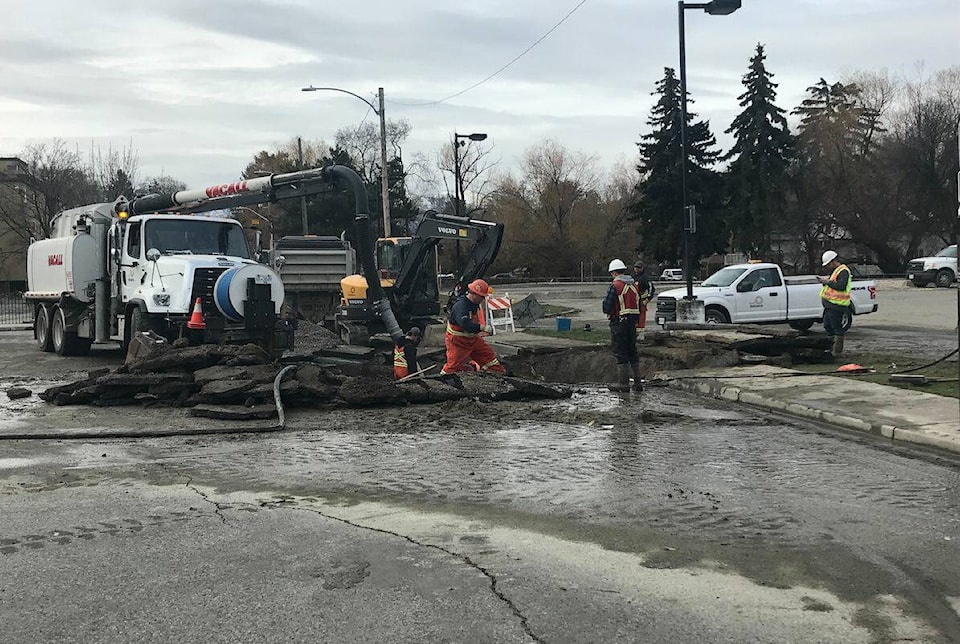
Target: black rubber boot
{"type": "Point", "coordinates": [637, 380]}
{"type": "Point", "coordinates": [623, 379]}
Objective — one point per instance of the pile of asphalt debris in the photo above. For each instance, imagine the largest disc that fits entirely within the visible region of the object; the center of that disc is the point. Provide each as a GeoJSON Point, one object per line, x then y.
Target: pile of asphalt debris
{"type": "Point", "coordinates": [237, 382]}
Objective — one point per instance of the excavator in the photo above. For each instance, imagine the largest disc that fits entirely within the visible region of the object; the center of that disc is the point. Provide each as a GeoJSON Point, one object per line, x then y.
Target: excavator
{"type": "Point", "coordinates": [407, 269]}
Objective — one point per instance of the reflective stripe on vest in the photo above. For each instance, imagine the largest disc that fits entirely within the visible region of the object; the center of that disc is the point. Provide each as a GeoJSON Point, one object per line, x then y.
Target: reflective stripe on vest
{"type": "Point", "coordinates": [627, 310]}
{"type": "Point", "coordinates": [832, 295]}
{"type": "Point", "coordinates": [452, 330]}
{"type": "Point", "coordinates": [399, 357]}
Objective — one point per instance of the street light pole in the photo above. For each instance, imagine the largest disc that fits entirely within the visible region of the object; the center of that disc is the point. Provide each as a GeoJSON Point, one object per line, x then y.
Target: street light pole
{"type": "Point", "coordinates": [715, 8]}
{"type": "Point", "coordinates": [384, 179]}
{"type": "Point", "coordinates": [458, 195]}
{"type": "Point", "coordinates": [459, 140]}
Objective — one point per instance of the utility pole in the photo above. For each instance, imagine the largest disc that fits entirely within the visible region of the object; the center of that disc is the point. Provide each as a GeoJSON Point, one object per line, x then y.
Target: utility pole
{"type": "Point", "coordinates": [384, 179]}
{"type": "Point", "coordinates": [303, 200]}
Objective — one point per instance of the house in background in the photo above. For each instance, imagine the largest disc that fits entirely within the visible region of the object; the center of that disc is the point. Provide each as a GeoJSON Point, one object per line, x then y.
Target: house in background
{"type": "Point", "coordinates": [15, 198]}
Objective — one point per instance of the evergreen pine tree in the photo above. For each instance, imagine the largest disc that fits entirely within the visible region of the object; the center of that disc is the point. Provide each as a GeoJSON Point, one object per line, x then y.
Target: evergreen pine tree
{"type": "Point", "coordinates": [756, 177]}
{"type": "Point", "coordinates": [657, 206]}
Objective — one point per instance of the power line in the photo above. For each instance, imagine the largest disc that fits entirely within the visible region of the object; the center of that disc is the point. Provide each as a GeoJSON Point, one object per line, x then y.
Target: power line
{"type": "Point", "coordinates": [515, 59]}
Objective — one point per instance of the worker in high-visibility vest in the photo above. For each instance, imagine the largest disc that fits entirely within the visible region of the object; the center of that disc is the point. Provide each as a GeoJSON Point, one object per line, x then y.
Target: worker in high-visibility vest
{"type": "Point", "coordinates": [835, 296]}
{"type": "Point", "coordinates": [463, 340]}
{"type": "Point", "coordinates": [646, 290]}
{"type": "Point", "coordinates": [405, 356]}
{"type": "Point", "coordinates": [622, 306]}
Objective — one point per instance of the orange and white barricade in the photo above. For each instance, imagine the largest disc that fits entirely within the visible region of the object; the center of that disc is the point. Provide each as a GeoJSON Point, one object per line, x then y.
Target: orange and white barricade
{"type": "Point", "coordinates": [499, 313]}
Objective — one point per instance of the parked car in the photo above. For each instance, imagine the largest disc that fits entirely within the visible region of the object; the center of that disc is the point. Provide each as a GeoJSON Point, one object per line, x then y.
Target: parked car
{"type": "Point", "coordinates": [502, 277]}
{"type": "Point", "coordinates": [761, 294]}
{"type": "Point", "coordinates": [672, 274]}
{"type": "Point", "coordinates": [941, 269]}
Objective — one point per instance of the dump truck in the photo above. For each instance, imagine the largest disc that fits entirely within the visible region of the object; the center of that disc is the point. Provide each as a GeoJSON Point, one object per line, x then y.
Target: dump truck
{"type": "Point", "coordinates": [156, 262]}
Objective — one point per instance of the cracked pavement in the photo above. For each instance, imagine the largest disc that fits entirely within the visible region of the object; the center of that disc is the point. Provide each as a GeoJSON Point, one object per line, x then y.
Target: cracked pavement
{"type": "Point", "coordinates": [659, 517]}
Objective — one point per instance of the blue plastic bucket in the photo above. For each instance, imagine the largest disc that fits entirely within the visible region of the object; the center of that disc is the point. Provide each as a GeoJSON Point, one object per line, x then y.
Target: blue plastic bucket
{"type": "Point", "coordinates": [563, 324]}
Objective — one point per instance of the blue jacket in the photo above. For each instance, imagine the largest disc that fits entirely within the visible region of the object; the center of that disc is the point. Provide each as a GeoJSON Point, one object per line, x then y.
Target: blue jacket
{"type": "Point", "coordinates": [461, 315]}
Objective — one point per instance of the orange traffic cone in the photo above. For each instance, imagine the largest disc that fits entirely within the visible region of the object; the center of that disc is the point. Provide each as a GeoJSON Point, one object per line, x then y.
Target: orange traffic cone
{"type": "Point", "coordinates": [196, 319]}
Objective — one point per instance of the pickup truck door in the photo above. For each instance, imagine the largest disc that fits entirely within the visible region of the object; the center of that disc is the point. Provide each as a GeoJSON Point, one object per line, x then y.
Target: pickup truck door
{"type": "Point", "coordinates": [761, 297]}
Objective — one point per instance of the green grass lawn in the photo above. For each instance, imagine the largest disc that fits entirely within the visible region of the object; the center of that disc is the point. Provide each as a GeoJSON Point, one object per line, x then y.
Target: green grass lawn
{"type": "Point", "coordinates": [550, 310]}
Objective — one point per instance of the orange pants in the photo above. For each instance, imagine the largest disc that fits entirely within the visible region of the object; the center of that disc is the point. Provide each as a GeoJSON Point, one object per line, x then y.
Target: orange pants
{"type": "Point", "coordinates": [642, 320]}
{"type": "Point", "coordinates": [461, 350]}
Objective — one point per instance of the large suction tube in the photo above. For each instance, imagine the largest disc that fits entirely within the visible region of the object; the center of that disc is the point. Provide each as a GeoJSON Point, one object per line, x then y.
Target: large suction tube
{"type": "Point", "coordinates": [365, 250]}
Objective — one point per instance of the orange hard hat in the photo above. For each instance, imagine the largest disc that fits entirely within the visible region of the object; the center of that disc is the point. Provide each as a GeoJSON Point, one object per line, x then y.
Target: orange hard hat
{"type": "Point", "coordinates": [480, 287]}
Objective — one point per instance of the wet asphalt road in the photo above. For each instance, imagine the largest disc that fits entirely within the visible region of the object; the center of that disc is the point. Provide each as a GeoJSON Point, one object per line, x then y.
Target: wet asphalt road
{"type": "Point", "coordinates": [665, 517]}
{"type": "Point", "coordinates": [849, 539]}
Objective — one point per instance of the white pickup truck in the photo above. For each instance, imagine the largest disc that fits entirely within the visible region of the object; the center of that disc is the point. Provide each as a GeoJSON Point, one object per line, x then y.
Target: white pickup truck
{"type": "Point", "coordinates": [760, 294]}
{"type": "Point", "coordinates": [941, 269]}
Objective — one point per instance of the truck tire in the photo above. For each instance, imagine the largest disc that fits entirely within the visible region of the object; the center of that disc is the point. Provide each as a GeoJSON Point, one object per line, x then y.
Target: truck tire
{"type": "Point", "coordinates": [41, 328]}
{"type": "Point", "coordinates": [131, 325]}
{"type": "Point", "coordinates": [801, 325]}
{"type": "Point", "coordinates": [944, 278]}
{"type": "Point", "coordinates": [847, 320]}
{"type": "Point", "coordinates": [715, 315]}
{"type": "Point", "coordinates": [65, 342]}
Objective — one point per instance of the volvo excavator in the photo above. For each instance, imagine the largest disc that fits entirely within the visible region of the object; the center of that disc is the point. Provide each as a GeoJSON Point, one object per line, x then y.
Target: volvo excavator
{"type": "Point", "coordinates": [407, 269]}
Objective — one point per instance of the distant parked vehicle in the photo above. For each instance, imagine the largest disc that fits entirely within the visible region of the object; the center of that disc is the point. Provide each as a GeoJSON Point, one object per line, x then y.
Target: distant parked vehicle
{"type": "Point", "coordinates": [502, 276]}
{"type": "Point", "coordinates": [941, 269]}
{"type": "Point", "coordinates": [672, 274]}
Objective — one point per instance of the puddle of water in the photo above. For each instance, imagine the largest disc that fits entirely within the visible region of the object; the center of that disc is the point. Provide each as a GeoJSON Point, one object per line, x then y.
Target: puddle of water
{"type": "Point", "coordinates": [593, 399]}
{"type": "Point", "coordinates": [18, 463]}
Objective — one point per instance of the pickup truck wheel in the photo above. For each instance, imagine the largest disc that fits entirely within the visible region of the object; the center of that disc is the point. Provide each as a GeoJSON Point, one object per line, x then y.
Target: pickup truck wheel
{"type": "Point", "coordinates": [715, 315]}
{"type": "Point", "coordinates": [41, 328]}
{"type": "Point", "coordinates": [847, 321]}
{"type": "Point", "coordinates": [944, 278]}
{"type": "Point", "coordinates": [801, 325]}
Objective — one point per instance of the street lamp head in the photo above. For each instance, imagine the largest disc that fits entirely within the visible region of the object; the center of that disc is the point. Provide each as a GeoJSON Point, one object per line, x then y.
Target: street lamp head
{"type": "Point", "coordinates": [309, 89]}
{"type": "Point", "coordinates": [476, 136]}
{"type": "Point", "coordinates": [722, 7]}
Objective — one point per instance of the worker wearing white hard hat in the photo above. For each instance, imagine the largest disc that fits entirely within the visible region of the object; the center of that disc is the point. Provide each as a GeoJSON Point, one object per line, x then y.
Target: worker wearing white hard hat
{"type": "Point", "coordinates": [835, 296]}
{"type": "Point", "coordinates": [622, 306]}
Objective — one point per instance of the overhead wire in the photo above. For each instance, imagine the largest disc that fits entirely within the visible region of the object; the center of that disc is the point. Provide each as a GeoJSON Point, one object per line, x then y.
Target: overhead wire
{"type": "Point", "coordinates": [501, 69]}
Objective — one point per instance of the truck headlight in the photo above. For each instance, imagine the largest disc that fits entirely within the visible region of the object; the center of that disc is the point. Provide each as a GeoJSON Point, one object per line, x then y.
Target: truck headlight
{"type": "Point", "coordinates": [161, 299]}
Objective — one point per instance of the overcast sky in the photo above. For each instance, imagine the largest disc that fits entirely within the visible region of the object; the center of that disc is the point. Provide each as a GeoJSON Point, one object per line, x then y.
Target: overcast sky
{"type": "Point", "coordinates": [200, 86]}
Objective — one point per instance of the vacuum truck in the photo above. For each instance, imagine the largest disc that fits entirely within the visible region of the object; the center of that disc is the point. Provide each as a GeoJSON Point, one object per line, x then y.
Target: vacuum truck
{"type": "Point", "coordinates": [175, 264]}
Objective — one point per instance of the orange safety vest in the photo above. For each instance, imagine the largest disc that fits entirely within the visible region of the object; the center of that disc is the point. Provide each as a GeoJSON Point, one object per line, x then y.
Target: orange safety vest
{"type": "Point", "coordinates": [832, 295]}
{"type": "Point", "coordinates": [399, 357]}
{"type": "Point", "coordinates": [628, 298]}
{"type": "Point", "coordinates": [453, 329]}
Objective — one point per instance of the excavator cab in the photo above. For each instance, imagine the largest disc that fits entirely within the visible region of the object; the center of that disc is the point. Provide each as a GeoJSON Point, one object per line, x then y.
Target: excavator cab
{"type": "Point", "coordinates": [407, 267]}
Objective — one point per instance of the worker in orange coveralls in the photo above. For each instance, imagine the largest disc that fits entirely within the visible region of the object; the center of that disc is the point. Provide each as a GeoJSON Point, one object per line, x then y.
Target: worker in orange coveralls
{"type": "Point", "coordinates": [463, 339]}
{"type": "Point", "coordinates": [405, 356]}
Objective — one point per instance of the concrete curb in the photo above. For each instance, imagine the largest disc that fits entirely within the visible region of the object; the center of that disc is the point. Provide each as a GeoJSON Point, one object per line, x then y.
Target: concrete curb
{"type": "Point", "coordinates": [715, 389]}
{"type": "Point", "coordinates": [16, 327]}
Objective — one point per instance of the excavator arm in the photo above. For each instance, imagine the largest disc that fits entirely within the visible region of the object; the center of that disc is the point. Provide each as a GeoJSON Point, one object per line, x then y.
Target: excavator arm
{"type": "Point", "coordinates": [484, 236]}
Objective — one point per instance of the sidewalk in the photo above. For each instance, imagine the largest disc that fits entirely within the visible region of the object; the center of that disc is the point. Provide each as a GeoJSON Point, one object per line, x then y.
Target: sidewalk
{"type": "Point", "coordinates": [902, 415]}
